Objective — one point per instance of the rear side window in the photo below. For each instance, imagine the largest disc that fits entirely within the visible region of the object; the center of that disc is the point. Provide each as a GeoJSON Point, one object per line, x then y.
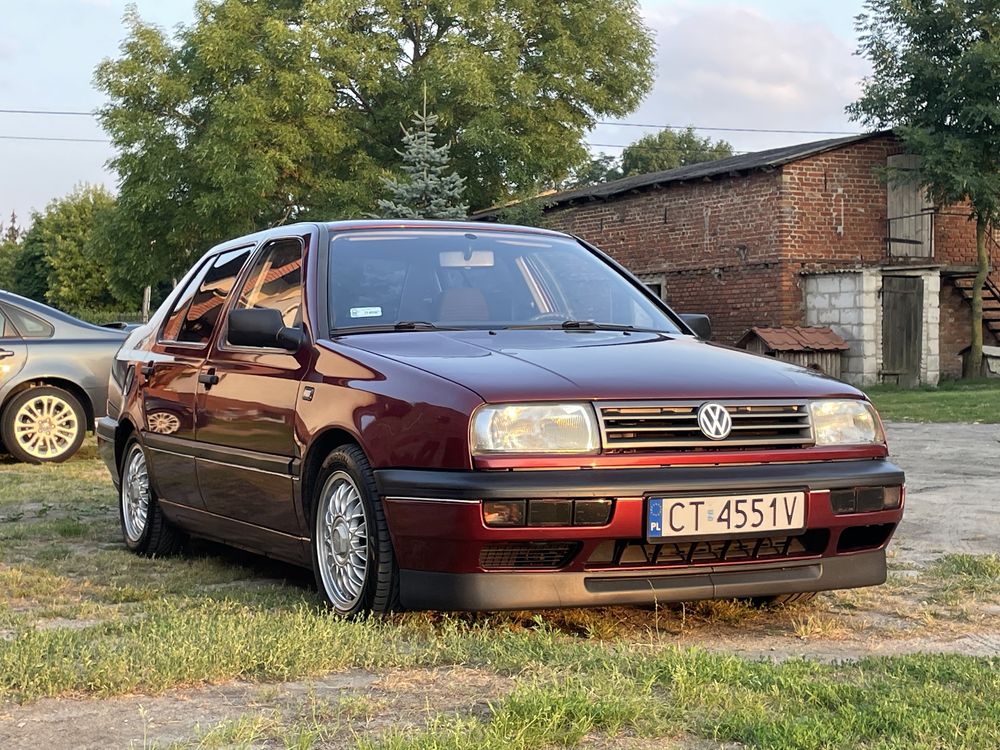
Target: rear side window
{"type": "Point", "coordinates": [275, 281]}
{"type": "Point", "coordinates": [196, 312]}
{"type": "Point", "coordinates": [28, 325]}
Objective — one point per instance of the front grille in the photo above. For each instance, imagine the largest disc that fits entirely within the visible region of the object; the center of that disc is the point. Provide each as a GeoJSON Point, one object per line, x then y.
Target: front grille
{"type": "Point", "coordinates": [519, 555]}
{"type": "Point", "coordinates": [670, 425]}
{"type": "Point", "coordinates": [624, 553]}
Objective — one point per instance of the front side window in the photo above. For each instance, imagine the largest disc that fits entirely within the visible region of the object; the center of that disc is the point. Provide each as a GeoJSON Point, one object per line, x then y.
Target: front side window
{"type": "Point", "coordinates": [486, 279]}
{"type": "Point", "coordinates": [196, 312]}
{"type": "Point", "coordinates": [275, 281]}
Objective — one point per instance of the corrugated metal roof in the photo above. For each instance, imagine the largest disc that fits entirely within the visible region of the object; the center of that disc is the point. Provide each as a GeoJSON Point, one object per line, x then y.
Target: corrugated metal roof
{"type": "Point", "coordinates": [758, 160]}
{"type": "Point", "coordinates": [797, 338]}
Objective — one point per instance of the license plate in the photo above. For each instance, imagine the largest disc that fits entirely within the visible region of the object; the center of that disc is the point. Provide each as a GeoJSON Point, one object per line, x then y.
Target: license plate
{"type": "Point", "coordinates": [724, 515]}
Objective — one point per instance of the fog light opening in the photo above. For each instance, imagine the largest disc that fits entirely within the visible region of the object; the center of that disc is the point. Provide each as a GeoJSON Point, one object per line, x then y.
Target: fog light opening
{"type": "Point", "coordinates": [865, 499]}
{"type": "Point", "coordinates": [503, 513]}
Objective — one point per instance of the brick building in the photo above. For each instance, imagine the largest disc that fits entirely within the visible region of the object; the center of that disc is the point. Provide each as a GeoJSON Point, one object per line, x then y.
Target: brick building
{"type": "Point", "coordinates": [803, 235]}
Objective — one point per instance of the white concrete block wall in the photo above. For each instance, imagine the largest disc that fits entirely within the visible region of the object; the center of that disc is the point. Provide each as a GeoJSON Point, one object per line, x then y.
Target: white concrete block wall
{"type": "Point", "coordinates": [851, 304]}
{"type": "Point", "coordinates": [835, 300]}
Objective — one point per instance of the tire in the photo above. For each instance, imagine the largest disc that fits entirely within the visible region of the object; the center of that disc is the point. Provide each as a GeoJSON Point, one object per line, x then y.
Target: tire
{"type": "Point", "coordinates": [145, 529]}
{"type": "Point", "coordinates": [44, 424]}
{"type": "Point", "coordinates": [784, 600]}
{"type": "Point", "coordinates": [352, 553]}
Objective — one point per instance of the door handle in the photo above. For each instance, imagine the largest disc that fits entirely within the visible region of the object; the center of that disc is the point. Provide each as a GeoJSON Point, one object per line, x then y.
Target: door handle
{"type": "Point", "coordinates": [4, 353]}
{"type": "Point", "coordinates": [208, 379]}
{"type": "Point", "coordinates": [148, 370]}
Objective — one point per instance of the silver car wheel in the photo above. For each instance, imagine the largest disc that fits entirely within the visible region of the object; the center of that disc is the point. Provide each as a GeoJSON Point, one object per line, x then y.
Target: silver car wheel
{"type": "Point", "coordinates": [342, 541]}
{"type": "Point", "coordinates": [135, 494]}
{"type": "Point", "coordinates": [46, 427]}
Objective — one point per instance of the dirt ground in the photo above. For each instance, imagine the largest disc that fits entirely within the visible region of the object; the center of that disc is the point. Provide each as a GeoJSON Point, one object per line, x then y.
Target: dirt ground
{"type": "Point", "coordinates": [953, 489]}
{"type": "Point", "coordinates": [953, 476]}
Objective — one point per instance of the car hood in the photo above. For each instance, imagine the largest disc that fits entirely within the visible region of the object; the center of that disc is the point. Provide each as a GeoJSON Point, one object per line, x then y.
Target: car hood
{"type": "Point", "coordinates": [538, 365]}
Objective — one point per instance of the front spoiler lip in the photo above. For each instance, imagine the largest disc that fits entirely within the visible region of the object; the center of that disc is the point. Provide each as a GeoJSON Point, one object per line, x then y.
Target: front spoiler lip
{"type": "Point", "coordinates": [534, 590]}
{"type": "Point", "coordinates": [633, 482]}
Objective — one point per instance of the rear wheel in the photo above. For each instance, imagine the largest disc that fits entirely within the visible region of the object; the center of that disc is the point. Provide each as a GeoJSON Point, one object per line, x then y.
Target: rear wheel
{"type": "Point", "coordinates": [353, 558]}
{"type": "Point", "coordinates": [145, 528]}
{"type": "Point", "coordinates": [44, 425]}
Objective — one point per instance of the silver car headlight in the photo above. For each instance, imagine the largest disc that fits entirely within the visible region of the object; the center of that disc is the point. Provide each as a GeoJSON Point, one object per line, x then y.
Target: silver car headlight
{"type": "Point", "coordinates": [845, 422]}
{"type": "Point", "coordinates": [535, 428]}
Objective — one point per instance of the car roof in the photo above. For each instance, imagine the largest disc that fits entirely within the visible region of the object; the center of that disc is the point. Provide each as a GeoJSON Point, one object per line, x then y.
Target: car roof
{"type": "Point", "coordinates": [361, 224]}
{"type": "Point", "coordinates": [57, 318]}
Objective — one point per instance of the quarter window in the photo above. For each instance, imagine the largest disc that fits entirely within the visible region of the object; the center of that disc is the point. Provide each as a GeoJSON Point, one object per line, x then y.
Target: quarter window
{"type": "Point", "coordinates": [275, 281]}
{"type": "Point", "coordinates": [28, 325]}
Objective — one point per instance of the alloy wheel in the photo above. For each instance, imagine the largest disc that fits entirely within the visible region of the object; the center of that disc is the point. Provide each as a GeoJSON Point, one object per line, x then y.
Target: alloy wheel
{"type": "Point", "coordinates": [342, 541]}
{"type": "Point", "coordinates": [46, 427]}
{"type": "Point", "coordinates": [135, 494]}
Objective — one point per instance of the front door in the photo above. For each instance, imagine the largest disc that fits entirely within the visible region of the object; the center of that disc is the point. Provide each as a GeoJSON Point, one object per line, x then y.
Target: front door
{"type": "Point", "coordinates": [246, 408]}
{"type": "Point", "coordinates": [902, 329]}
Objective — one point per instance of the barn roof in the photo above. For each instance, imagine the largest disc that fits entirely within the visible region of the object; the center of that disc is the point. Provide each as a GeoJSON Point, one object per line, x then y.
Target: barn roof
{"type": "Point", "coordinates": [758, 160]}
{"type": "Point", "coordinates": [796, 339]}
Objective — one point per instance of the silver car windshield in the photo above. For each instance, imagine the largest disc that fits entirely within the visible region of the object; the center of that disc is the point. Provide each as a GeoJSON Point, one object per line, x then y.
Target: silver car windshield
{"type": "Point", "coordinates": [455, 279]}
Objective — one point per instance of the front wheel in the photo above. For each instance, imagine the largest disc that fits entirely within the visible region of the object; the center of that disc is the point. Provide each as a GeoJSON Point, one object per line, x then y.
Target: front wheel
{"type": "Point", "coordinates": [44, 425]}
{"type": "Point", "coordinates": [353, 558]}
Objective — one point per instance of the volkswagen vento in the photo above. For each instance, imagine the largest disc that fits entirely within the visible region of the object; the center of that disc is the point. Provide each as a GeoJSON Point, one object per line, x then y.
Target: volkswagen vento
{"type": "Point", "coordinates": [470, 416]}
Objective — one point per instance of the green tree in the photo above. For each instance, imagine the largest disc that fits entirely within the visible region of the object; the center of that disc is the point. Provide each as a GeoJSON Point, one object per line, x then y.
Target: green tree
{"type": "Point", "coordinates": [56, 262]}
{"type": "Point", "coordinates": [429, 189]}
{"type": "Point", "coordinates": [263, 112]}
{"type": "Point", "coordinates": [10, 250]}
{"type": "Point", "coordinates": [669, 149]}
{"type": "Point", "coordinates": [935, 78]}
{"type": "Point", "coordinates": [593, 171]}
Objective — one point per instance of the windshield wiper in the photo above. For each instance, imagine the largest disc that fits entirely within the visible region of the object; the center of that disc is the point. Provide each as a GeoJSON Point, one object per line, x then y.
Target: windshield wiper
{"type": "Point", "coordinates": [414, 325]}
{"type": "Point", "coordinates": [579, 325]}
{"type": "Point", "coordinates": [403, 325]}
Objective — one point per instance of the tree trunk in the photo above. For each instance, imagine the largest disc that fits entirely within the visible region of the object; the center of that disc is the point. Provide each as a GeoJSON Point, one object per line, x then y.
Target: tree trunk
{"type": "Point", "coordinates": [974, 362]}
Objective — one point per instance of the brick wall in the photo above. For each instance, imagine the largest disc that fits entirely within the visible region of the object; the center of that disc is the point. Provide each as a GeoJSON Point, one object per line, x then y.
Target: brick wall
{"type": "Point", "coordinates": [715, 243]}
{"type": "Point", "coordinates": [739, 248]}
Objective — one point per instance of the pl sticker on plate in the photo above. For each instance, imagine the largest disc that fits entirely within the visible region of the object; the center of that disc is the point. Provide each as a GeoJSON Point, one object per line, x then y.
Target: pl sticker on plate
{"type": "Point", "coordinates": [366, 312]}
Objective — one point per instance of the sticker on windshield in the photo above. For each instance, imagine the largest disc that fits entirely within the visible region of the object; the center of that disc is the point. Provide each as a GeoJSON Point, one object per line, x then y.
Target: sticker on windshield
{"type": "Point", "coordinates": [366, 312]}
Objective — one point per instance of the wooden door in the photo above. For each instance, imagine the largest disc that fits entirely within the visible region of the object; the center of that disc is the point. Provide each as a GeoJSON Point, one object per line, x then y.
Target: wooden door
{"type": "Point", "coordinates": [909, 210]}
{"type": "Point", "coordinates": [902, 328]}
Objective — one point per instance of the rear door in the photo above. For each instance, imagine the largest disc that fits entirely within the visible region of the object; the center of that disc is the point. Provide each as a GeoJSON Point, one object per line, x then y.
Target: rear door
{"type": "Point", "coordinates": [170, 377]}
{"type": "Point", "coordinates": [246, 407]}
{"type": "Point", "coordinates": [13, 352]}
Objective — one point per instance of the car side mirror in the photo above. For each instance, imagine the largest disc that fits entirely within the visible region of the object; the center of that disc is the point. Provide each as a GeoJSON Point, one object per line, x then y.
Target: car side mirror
{"type": "Point", "coordinates": [700, 324]}
{"type": "Point", "coordinates": [263, 327]}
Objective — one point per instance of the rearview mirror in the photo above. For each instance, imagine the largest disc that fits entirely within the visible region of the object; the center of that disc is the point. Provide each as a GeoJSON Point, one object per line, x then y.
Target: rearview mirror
{"type": "Point", "coordinates": [700, 324]}
{"type": "Point", "coordinates": [262, 327]}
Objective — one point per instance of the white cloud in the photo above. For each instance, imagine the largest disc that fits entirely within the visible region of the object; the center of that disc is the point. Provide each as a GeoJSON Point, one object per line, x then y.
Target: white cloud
{"type": "Point", "coordinates": [730, 66]}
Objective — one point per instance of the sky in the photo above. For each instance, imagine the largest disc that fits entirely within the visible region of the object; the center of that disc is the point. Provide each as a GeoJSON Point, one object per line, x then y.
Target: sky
{"type": "Point", "coordinates": [752, 64]}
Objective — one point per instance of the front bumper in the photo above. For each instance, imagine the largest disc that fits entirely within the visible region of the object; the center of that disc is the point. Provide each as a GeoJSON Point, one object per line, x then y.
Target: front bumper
{"type": "Point", "coordinates": [492, 591]}
{"type": "Point", "coordinates": [443, 547]}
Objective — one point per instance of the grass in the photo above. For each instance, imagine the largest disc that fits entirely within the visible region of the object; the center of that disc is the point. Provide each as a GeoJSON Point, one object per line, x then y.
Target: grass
{"type": "Point", "coordinates": [950, 401]}
{"type": "Point", "coordinates": [79, 615]}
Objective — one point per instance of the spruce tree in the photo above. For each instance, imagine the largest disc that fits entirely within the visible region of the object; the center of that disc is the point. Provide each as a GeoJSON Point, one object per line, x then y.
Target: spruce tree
{"type": "Point", "coordinates": [428, 188]}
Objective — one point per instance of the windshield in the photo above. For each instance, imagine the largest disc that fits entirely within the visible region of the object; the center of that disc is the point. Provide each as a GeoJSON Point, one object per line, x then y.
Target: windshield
{"type": "Point", "coordinates": [461, 279]}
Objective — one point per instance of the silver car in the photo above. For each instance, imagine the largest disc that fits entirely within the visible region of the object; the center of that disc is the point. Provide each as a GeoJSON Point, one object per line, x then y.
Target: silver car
{"type": "Point", "coordinates": [54, 373]}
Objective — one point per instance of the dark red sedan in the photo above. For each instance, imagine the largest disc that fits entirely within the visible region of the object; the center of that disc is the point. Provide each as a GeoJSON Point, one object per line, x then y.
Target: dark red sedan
{"type": "Point", "coordinates": [462, 416]}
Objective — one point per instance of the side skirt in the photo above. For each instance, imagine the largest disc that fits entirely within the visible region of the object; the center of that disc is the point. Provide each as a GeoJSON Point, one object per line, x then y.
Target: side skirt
{"type": "Point", "coordinates": [257, 539]}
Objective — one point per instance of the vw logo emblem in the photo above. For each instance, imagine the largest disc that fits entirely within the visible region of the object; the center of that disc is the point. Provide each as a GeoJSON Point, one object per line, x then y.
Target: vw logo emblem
{"type": "Point", "coordinates": [714, 421]}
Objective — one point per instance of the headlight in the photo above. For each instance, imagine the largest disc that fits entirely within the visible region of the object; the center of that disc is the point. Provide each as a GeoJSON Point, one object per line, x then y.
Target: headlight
{"type": "Point", "coordinates": [845, 422]}
{"type": "Point", "coordinates": [535, 428]}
